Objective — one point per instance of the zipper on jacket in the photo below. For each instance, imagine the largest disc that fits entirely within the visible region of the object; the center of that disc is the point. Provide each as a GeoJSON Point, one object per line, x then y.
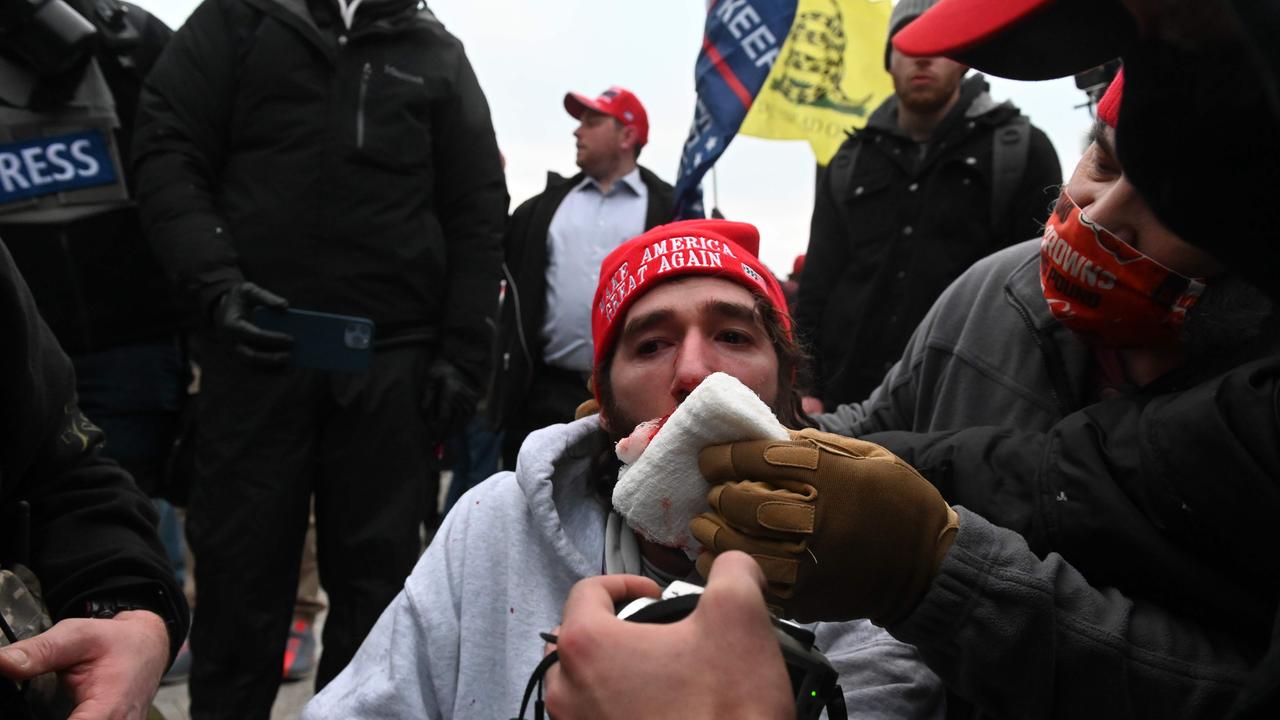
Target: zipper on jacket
{"type": "Point", "coordinates": [502, 301]}
{"type": "Point", "coordinates": [365, 74]}
{"type": "Point", "coordinates": [1052, 360]}
{"type": "Point", "coordinates": [519, 319]}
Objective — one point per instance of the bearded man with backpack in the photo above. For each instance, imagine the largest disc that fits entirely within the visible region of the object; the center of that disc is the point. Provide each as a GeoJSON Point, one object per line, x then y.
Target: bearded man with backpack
{"type": "Point", "coordinates": [940, 177]}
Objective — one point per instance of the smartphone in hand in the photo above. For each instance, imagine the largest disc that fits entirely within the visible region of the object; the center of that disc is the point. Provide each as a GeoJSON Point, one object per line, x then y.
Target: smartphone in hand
{"type": "Point", "coordinates": [322, 341]}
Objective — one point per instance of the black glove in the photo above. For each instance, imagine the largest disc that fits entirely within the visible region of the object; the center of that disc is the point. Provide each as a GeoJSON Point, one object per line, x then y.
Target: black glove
{"type": "Point", "coordinates": [448, 398]}
{"type": "Point", "coordinates": [254, 345]}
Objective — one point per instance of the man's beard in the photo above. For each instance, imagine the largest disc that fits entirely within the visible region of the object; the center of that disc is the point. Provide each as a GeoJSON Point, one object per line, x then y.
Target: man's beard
{"type": "Point", "coordinates": [621, 424]}
{"type": "Point", "coordinates": [925, 101]}
{"type": "Point", "coordinates": [1230, 314]}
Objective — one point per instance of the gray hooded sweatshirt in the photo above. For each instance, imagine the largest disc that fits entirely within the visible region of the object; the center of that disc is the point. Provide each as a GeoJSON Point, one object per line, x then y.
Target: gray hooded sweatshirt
{"type": "Point", "coordinates": [461, 639]}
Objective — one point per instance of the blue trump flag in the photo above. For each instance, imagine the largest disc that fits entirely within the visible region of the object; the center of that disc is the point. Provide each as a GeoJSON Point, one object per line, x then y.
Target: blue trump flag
{"type": "Point", "coordinates": [742, 39]}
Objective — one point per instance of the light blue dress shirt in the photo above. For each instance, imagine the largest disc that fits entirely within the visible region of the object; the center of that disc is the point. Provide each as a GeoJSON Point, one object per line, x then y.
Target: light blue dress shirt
{"type": "Point", "coordinates": [586, 227]}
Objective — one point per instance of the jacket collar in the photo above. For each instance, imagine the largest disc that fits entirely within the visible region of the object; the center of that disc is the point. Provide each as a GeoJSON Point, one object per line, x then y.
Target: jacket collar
{"type": "Point", "coordinates": [1068, 361]}
{"type": "Point", "coordinates": [642, 174]}
{"type": "Point", "coordinates": [631, 181]}
{"type": "Point", "coordinates": [1023, 285]}
{"type": "Point", "coordinates": [975, 103]}
{"type": "Point", "coordinates": [297, 14]}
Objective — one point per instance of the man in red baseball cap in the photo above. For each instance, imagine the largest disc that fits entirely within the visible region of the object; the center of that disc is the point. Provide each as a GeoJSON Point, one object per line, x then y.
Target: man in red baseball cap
{"type": "Point", "coordinates": [672, 306]}
{"type": "Point", "coordinates": [554, 244]}
{"type": "Point", "coordinates": [618, 103]}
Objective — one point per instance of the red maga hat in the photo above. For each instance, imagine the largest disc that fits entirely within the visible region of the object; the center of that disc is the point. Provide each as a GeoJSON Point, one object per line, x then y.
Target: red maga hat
{"type": "Point", "coordinates": [616, 102]}
{"type": "Point", "coordinates": [718, 248]}
{"type": "Point", "coordinates": [1021, 39]}
{"type": "Point", "coordinates": [1109, 106]}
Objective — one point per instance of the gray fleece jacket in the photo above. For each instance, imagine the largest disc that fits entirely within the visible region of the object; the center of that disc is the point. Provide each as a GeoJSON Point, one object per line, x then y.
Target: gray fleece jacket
{"type": "Point", "coordinates": [462, 637]}
{"type": "Point", "coordinates": [988, 352]}
{"type": "Point", "coordinates": [1026, 636]}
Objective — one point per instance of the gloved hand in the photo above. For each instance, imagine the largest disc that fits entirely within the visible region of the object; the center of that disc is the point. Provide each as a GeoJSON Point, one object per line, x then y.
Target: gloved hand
{"type": "Point", "coordinates": [841, 527]}
{"type": "Point", "coordinates": [252, 344]}
{"type": "Point", "coordinates": [448, 398]}
{"type": "Point", "coordinates": [588, 406]}
{"type": "Point", "coordinates": [585, 408]}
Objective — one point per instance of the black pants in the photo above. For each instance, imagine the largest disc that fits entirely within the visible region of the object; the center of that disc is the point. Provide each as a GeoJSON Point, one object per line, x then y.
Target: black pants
{"type": "Point", "coordinates": [266, 442]}
{"type": "Point", "coordinates": [553, 396]}
{"type": "Point", "coordinates": [133, 392]}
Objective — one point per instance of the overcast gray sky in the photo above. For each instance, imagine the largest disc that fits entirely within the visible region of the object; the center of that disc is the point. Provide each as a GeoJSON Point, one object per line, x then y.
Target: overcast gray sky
{"type": "Point", "coordinates": [528, 53]}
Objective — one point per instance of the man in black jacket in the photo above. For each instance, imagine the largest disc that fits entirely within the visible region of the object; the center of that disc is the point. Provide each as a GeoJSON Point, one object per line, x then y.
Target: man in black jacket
{"type": "Point", "coordinates": [940, 177]}
{"type": "Point", "coordinates": [554, 244]}
{"type": "Point", "coordinates": [91, 541]}
{"type": "Point", "coordinates": [1021, 340]}
{"type": "Point", "coordinates": [339, 159]}
{"type": "Point", "coordinates": [78, 240]}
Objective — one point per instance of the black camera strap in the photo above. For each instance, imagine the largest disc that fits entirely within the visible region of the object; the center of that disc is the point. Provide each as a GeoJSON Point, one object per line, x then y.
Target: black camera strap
{"type": "Point", "coordinates": [535, 681]}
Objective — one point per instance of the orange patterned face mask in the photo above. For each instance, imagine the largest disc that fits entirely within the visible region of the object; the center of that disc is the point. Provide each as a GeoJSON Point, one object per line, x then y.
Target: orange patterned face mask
{"type": "Point", "coordinates": [1105, 290]}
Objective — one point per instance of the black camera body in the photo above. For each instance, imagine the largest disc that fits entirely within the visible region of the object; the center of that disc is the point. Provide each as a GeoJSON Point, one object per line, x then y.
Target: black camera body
{"type": "Point", "coordinates": [49, 37]}
{"type": "Point", "coordinates": [814, 682]}
{"type": "Point", "coordinates": [1095, 80]}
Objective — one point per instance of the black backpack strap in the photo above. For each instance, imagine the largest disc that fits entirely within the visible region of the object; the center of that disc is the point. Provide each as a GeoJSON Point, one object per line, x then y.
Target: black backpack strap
{"type": "Point", "coordinates": [1009, 150]}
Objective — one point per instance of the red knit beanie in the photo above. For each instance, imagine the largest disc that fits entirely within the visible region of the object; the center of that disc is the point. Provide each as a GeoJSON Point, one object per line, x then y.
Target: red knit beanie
{"type": "Point", "coordinates": [1109, 105]}
{"type": "Point", "coordinates": [718, 248]}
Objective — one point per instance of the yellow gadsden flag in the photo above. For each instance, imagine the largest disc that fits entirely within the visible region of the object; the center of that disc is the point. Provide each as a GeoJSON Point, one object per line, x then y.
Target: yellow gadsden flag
{"type": "Point", "coordinates": [829, 76]}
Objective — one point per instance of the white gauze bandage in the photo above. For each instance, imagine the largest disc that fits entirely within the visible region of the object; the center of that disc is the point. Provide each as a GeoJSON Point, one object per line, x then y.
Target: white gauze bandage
{"type": "Point", "coordinates": [662, 491]}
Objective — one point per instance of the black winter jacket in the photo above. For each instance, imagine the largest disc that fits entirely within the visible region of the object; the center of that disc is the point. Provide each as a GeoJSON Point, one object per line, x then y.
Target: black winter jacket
{"type": "Point", "coordinates": [1169, 497]}
{"type": "Point", "coordinates": [351, 172]}
{"type": "Point", "coordinates": [1209, 193]}
{"type": "Point", "coordinates": [879, 257]}
{"type": "Point", "coordinates": [524, 309]}
{"type": "Point", "coordinates": [92, 531]}
{"type": "Point", "coordinates": [1165, 598]}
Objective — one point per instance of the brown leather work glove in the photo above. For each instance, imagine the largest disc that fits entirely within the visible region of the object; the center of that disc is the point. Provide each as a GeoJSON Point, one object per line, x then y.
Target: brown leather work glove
{"type": "Point", "coordinates": [841, 527]}
{"type": "Point", "coordinates": [588, 406]}
{"type": "Point", "coordinates": [585, 408]}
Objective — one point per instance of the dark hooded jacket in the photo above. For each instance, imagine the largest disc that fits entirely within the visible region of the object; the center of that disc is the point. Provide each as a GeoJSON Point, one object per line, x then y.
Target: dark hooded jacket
{"type": "Point", "coordinates": [1163, 500]}
{"type": "Point", "coordinates": [909, 221]}
{"type": "Point", "coordinates": [1120, 546]}
{"type": "Point", "coordinates": [92, 531]}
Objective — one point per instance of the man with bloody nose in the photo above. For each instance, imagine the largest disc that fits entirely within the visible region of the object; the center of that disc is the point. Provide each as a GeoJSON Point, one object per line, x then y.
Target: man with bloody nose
{"type": "Point", "coordinates": [673, 306]}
